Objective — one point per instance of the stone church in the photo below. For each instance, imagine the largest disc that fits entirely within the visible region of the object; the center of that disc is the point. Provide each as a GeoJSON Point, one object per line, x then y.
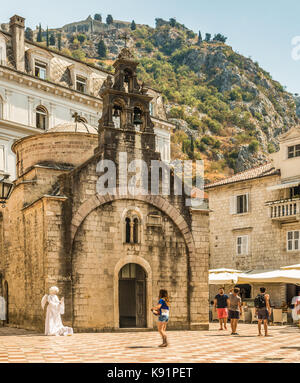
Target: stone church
{"type": "Point", "coordinates": [108, 254]}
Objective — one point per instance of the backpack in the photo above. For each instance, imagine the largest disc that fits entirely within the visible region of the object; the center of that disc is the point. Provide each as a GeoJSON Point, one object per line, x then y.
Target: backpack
{"type": "Point", "coordinates": [260, 301]}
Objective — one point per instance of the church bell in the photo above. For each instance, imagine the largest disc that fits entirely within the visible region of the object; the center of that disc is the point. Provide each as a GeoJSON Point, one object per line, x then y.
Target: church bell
{"type": "Point", "coordinates": [137, 117]}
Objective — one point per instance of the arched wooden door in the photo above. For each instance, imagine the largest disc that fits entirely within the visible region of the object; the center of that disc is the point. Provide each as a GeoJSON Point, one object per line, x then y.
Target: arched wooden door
{"type": "Point", "coordinates": [132, 296]}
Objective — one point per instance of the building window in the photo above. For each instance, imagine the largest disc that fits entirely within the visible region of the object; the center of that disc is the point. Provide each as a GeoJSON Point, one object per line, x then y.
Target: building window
{"type": "Point", "coordinates": [132, 229]}
{"type": "Point", "coordinates": [294, 151]}
{"type": "Point", "coordinates": [41, 118]}
{"type": "Point", "coordinates": [239, 204]}
{"type": "Point", "coordinates": [1, 56]}
{"type": "Point", "coordinates": [242, 245]}
{"type": "Point", "coordinates": [295, 192]}
{"type": "Point", "coordinates": [1, 109]}
{"type": "Point", "coordinates": [128, 229]}
{"type": "Point", "coordinates": [135, 230]}
{"type": "Point", "coordinates": [40, 70]}
{"type": "Point", "coordinates": [128, 271]}
{"type": "Point", "coordinates": [81, 84]}
{"type": "Point", "coordinates": [293, 240]}
{"type": "Point", "coordinates": [242, 204]}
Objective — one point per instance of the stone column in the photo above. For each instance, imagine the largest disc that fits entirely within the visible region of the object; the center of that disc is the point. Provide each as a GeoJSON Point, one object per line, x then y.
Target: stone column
{"type": "Point", "coordinates": [198, 271]}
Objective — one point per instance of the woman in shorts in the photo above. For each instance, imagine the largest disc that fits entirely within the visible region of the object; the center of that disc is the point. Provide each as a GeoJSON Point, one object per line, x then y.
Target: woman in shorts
{"type": "Point", "coordinates": [162, 311]}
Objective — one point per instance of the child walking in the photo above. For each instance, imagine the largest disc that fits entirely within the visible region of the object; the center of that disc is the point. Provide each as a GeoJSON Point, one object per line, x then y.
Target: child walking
{"type": "Point", "coordinates": [162, 310]}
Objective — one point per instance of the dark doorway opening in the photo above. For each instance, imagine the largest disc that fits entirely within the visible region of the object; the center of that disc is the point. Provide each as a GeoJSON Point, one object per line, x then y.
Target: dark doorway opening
{"type": "Point", "coordinates": [245, 291]}
{"type": "Point", "coordinates": [132, 296]}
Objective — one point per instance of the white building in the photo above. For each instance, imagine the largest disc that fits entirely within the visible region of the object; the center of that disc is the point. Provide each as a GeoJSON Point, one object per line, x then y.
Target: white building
{"type": "Point", "coordinates": [41, 88]}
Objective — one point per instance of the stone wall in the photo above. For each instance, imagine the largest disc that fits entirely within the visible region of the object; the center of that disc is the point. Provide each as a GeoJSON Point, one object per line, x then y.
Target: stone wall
{"type": "Point", "coordinates": [61, 148]}
{"type": "Point", "coordinates": [99, 246]}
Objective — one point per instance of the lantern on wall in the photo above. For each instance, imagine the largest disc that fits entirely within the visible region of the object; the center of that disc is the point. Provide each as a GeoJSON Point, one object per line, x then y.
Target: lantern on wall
{"type": "Point", "coordinates": [5, 190]}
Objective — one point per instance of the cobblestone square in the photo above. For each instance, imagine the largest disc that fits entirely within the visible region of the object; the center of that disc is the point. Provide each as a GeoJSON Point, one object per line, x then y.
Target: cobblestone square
{"type": "Point", "coordinates": [213, 346]}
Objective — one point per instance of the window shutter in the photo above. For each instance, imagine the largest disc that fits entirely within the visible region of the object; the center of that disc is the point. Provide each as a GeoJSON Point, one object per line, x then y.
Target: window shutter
{"type": "Point", "coordinates": [238, 246]}
{"type": "Point", "coordinates": [233, 205]}
{"type": "Point", "coordinates": [247, 203]}
{"type": "Point", "coordinates": [245, 245]}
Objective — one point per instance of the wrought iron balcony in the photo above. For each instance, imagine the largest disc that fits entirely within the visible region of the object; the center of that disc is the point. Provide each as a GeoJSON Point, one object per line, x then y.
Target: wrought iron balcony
{"type": "Point", "coordinates": [287, 210]}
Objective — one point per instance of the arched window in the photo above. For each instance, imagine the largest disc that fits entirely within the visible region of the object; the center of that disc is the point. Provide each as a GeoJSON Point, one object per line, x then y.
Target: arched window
{"type": "Point", "coordinates": [132, 228]}
{"type": "Point", "coordinates": [117, 111]}
{"type": "Point", "coordinates": [127, 80]}
{"type": "Point", "coordinates": [135, 230]}
{"type": "Point", "coordinates": [137, 116]}
{"type": "Point", "coordinates": [41, 117]}
{"type": "Point", "coordinates": [128, 230]}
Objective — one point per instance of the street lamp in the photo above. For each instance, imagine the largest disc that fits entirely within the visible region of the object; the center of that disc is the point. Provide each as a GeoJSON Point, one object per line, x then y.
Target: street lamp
{"type": "Point", "coordinates": [5, 190]}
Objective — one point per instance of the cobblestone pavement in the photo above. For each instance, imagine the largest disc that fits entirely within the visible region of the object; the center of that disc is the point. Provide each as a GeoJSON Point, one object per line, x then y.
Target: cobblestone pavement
{"type": "Point", "coordinates": [206, 346]}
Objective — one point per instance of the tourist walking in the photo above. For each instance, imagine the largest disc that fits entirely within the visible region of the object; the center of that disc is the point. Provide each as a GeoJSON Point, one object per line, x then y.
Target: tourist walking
{"type": "Point", "coordinates": [220, 305]}
{"type": "Point", "coordinates": [263, 310]}
{"type": "Point", "coordinates": [56, 307]}
{"type": "Point", "coordinates": [234, 303]}
{"type": "Point", "coordinates": [162, 311]}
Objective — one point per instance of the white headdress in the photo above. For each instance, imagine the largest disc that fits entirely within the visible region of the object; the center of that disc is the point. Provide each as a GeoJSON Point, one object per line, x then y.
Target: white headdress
{"type": "Point", "coordinates": [54, 289]}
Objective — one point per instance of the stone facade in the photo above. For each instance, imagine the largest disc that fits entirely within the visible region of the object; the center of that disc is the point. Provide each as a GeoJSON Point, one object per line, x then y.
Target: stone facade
{"type": "Point", "coordinates": [266, 188]}
{"type": "Point", "coordinates": [58, 230]}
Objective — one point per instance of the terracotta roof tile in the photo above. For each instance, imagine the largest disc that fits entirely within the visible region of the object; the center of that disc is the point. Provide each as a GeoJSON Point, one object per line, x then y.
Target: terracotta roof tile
{"type": "Point", "coordinates": [257, 172]}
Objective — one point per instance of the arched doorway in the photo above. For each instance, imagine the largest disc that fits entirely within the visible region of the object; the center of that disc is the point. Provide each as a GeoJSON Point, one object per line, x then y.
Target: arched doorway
{"type": "Point", "coordinates": [132, 296]}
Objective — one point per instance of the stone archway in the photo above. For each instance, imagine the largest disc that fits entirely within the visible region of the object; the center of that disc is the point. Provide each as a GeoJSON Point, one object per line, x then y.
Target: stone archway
{"type": "Point", "coordinates": [149, 299]}
{"type": "Point", "coordinates": [162, 204]}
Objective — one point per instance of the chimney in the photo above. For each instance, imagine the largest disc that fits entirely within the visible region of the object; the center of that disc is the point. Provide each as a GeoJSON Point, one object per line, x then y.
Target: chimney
{"type": "Point", "coordinates": [17, 30]}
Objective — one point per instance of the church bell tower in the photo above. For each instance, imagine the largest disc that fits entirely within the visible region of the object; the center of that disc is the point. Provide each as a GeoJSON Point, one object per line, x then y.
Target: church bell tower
{"type": "Point", "coordinates": [126, 125]}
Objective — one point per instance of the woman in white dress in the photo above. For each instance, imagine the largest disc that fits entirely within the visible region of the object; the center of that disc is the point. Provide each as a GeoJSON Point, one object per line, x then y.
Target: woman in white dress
{"type": "Point", "coordinates": [56, 307]}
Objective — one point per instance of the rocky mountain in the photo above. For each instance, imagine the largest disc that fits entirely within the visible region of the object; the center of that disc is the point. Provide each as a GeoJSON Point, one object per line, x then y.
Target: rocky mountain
{"type": "Point", "coordinates": [227, 110]}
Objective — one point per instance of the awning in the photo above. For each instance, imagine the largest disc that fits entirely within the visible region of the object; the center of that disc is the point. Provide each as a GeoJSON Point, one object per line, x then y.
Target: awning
{"type": "Point", "coordinates": [293, 267]}
{"type": "Point", "coordinates": [284, 185]}
{"type": "Point", "coordinates": [276, 276]}
{"type": "Point", "coordinates": [222, 278]}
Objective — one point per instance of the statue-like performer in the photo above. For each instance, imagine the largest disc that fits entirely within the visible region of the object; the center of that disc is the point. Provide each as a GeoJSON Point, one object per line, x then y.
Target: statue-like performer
{"type": "Point", "coordinates": [56, 307]}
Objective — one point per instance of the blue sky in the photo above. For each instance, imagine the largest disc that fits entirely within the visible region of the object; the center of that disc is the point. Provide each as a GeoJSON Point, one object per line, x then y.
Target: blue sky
{"type": "Point", "coordinates": [261, 29]}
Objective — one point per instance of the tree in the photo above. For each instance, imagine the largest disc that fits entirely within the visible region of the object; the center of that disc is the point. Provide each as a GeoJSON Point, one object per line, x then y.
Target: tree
{"type": "Point", "coordinates": [47, 37]}
{"type": "Point", "coordinates": [39, 38]}
{"type": "Point", "coordinates": [81, 38]}
{"type": "Point", "coordinates": [59, 42]}
{"type": "Point", "coordinates": [172, 22]}
{"type": "Point", "coordinates": [101, 49]}
{"type": "Point", "coordinates": [109, 20]}
{"type": "Point", "coordinates": [78, 54]}
{"type": "Point", "coordinates": [133, 25]}
{"type": "Point", "coordinates": [207, 37]}
{"type": "Point", "coordinates": [192, 145]}
{"type": "Point", "coordinates": [29, 34]}
{"type": "Point", "coordinates": [220, 38]}
{"type": "Point", "coordinates": [98, 17]}
{"type": "Point", "coordinates": [52, 40]}
{"type": "Point", "coordinates": [199, 38]}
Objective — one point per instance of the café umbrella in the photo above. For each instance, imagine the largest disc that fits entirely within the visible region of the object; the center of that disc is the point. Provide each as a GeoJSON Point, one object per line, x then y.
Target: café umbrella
{"type": "Point", "coordinates": [275, 276]}
{"type": "Point", "coordinates": [223, 276]}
